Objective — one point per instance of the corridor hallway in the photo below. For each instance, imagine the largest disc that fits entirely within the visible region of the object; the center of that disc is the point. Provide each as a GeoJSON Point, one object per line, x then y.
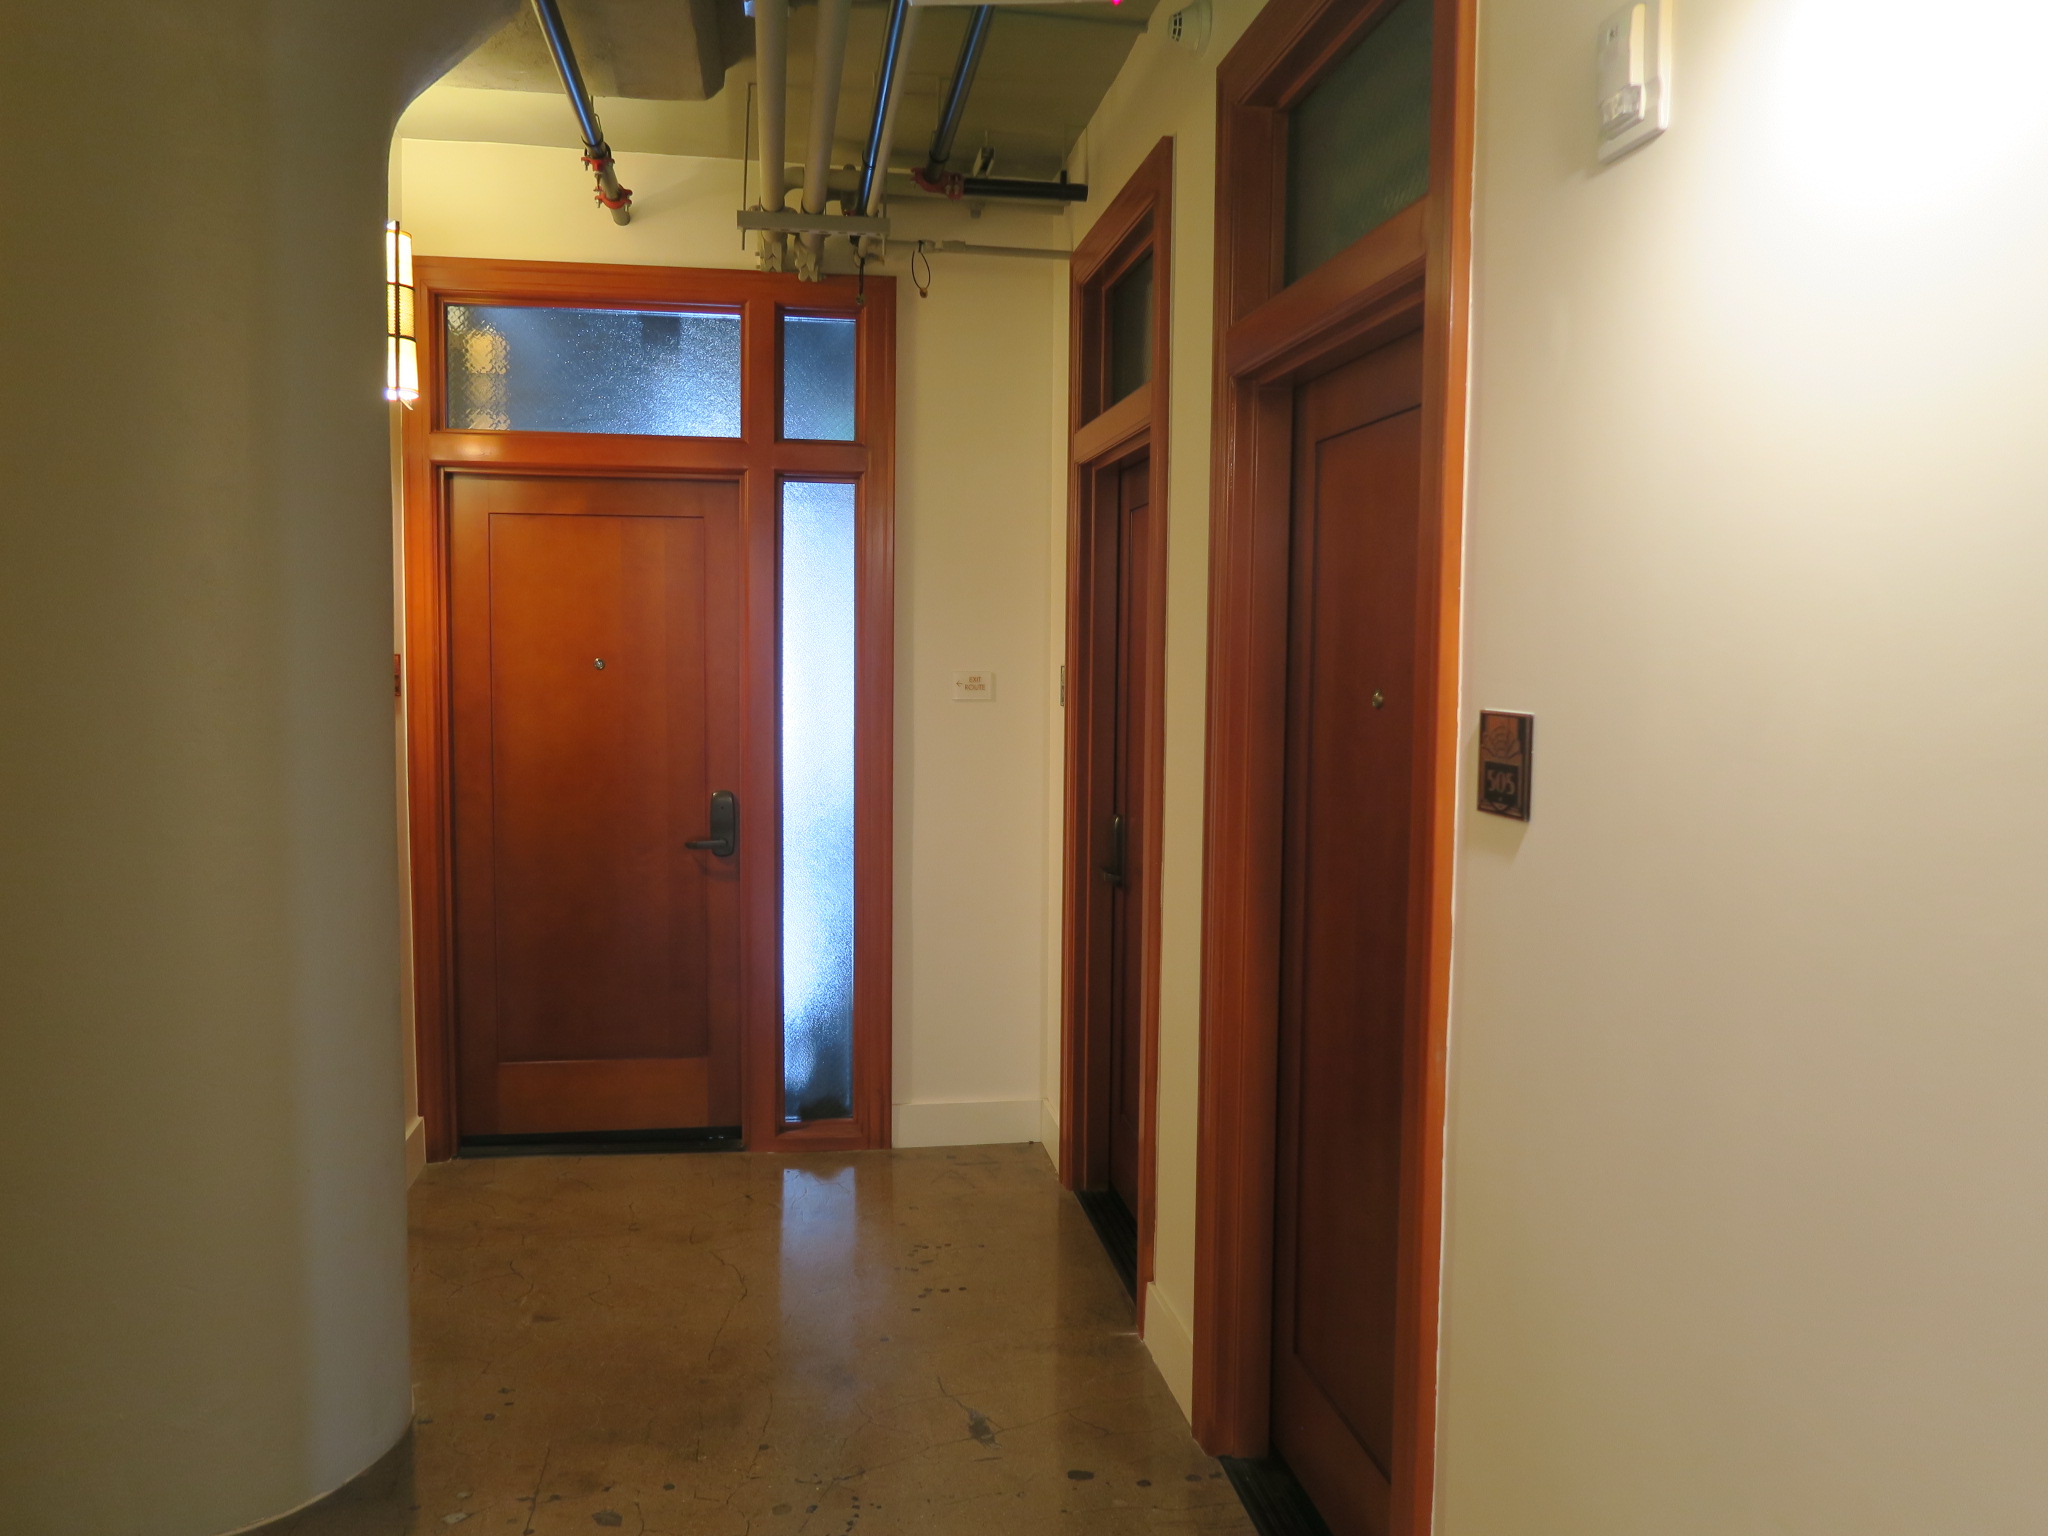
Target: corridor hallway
{"type": "Point", "coordinates": [889, 1343]}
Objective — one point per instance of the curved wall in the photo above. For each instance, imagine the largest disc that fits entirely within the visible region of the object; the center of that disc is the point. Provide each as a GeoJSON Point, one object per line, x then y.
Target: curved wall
{"type": "Point", "coordinates": [203, 1296]}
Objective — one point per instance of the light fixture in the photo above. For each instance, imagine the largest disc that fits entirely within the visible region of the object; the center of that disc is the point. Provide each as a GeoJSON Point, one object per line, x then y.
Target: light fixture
{"type": "Point", "coordinates": [401, 341]}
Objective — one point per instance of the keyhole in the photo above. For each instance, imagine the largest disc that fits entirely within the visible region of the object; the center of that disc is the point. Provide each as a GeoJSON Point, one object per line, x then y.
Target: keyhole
{"type": "Point", "coordinates": [1379, 700]}
{"type": "Point", "coordinates": [600, 663]}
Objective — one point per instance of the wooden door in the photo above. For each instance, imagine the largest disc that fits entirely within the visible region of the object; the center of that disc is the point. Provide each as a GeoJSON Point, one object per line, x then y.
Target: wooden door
{"type": "Point", "coordinates": [1348, 843]}
{"type": "Point", "coordinates": [1132, 533]}
{"type": "Point", "coordinates": [596, 669]}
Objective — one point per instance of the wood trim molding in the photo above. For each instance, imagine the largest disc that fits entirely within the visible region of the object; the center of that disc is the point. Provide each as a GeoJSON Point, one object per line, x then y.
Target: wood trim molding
{"type": "Point", "coordinates": [1139, 220]}
{"type": "Point", "coordinates": [1412, 271]}
{"type": "Point", "coordinates": [759, 462]}
{"type": "Point", "coordinates": [1116, 429]}
{"type": "Point", "coordinates": [1305, 325]}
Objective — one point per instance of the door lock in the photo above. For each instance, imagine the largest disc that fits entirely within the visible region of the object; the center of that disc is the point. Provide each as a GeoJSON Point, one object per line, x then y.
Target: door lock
{"type": "Point", "coordinates": [1113, 871]}
{"type": "Point", "coordinates": [725, 826]}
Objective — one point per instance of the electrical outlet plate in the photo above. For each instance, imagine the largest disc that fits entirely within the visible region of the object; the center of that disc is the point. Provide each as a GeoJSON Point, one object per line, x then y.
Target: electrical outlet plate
{"type": "Point", "coordinates": [1635, 76]}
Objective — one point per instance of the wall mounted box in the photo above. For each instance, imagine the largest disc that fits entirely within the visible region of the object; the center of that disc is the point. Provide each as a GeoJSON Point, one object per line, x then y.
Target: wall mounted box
{"type": "Point", "coordinates": [1634, 61]}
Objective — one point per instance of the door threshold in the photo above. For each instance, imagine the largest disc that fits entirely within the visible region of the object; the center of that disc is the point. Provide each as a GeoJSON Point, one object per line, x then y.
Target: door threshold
{"type": "Point", "coordinates": [1276, 1502]}
{"type": "Point", "coordinates": [1118, 1230]}
{"type": "Point", "coordinates": [712, 1138]}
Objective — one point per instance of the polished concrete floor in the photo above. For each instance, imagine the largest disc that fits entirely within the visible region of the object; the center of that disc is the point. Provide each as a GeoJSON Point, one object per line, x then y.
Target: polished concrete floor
{"type": "Point", "coordinates": [883, 1343]}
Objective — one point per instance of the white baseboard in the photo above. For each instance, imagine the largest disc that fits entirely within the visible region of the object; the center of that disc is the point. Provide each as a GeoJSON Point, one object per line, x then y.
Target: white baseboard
{"type": "Point", "coordinates": [967, 1123]}
{"type": "Point", "coordinates": [1049, 1130]}
{"type": "Point", "coordinates": [1172, 1343]}
{"type": "Point", "coordinates": [415, 1149]}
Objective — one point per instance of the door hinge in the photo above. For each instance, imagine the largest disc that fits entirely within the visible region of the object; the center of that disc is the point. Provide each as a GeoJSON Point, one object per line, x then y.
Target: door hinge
{"type": "Point", "coordinates": [1063, 687]}
{"type": "Point", "coordinates": [397, 675]}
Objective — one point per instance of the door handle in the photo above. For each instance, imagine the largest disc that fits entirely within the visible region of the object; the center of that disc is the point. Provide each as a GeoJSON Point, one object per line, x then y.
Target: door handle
{"type": "Point", "coordinates": [725, 825]}
{"type": "Point", "coordinates": [1113, 871]}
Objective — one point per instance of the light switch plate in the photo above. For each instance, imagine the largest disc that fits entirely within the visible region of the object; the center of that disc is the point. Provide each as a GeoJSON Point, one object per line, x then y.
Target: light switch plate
{"type": "Point", "coordinates": [974, 687]}
{"type": "Point", "coordinates": [1634, 93]}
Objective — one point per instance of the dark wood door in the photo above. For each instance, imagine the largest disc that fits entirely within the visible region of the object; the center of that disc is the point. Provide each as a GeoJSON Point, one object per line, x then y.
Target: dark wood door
{"type": "Point", "coordinates": [1133, 533]}
{"type": "Point", "coordinates": [596, 667]}
{"type": "Point", "coordinates": [1351, 720]}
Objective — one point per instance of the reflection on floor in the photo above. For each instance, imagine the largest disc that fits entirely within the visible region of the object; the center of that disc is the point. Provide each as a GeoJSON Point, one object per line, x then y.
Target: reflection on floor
{"type": "Point", "coordinates": [735, 1345]}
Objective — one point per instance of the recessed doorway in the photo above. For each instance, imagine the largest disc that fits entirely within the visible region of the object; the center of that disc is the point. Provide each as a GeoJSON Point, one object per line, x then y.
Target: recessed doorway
{"type": "Point", "coordinates": [1343, 184]}
{"type": "Point", "coordinates": [1116, 556]}
{"type": "Point", "coordinates": [648, 661]}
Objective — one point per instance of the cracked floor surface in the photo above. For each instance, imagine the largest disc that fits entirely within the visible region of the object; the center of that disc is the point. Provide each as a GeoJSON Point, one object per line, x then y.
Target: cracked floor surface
{"type": "Point", "coordinates": [888, 1343]}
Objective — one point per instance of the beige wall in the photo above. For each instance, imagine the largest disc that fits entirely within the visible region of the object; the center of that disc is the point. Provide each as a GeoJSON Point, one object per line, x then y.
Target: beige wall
{"type": "Point", "coordinates": [202, 1292]}
{"type": "Point", "coordinates": [1745, 1230]}
{"type": "Point", "coordinates": [1747, 1144]}
{"type": "Point", "coordinates": [980, 392]}
{"type": "Point", "coordinates": [1166, 90]}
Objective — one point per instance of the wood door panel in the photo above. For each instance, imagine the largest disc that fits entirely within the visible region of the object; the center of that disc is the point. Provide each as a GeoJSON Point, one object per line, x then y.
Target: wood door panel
{"type": "Point", "coordinates": [598, 776]}
{"type": "Point", "coordinates": [539, 1097]}
{"type": "Point", "coordinates": [597, 957]}
{"type": "Point", "coordinates": [1348, 832]}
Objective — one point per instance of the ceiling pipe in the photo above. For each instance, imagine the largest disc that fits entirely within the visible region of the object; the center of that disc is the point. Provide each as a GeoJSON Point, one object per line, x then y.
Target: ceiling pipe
{"type": "Point", "coordinates": [771, 54]}
{"type": "Point", "coordinates": [933, 175]}
{"type": "Point", "coordinates": [1061, 191]}
{"type": "Point", "coordinates": [888, 98]}
{"type": "Point", "coordinates": [957, 88]}
{"type": "Point", "coordinates": [948, 185]}
{"type": "Point", "coordinates": [829, 66]}
{"type": "Point", "coordinates": [596, 153]}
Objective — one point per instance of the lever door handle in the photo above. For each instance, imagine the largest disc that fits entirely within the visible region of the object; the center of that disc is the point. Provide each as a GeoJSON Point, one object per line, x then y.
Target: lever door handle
{"type": "Point", "coordinates": [1113, 871]}
{"type": "Point", "coordinates": [725, 825]}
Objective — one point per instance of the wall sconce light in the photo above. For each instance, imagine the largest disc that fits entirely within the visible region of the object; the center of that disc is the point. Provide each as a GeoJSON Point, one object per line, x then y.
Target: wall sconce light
{"type": "Point", "coordinates": [401, 340]}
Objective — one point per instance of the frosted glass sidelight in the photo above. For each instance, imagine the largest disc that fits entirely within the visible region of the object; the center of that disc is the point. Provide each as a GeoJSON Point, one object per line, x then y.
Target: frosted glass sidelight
{"type": "Point", "coordinates": [1130, 330]}
{"type": "Point", "coordinates": [818, 377]}
{"type": "Point", "coordinates": [1358, 144]}
{"type": "Point", "coordinates": [651, 373]}
{"type": "Point", "coordinates": [818, 644]}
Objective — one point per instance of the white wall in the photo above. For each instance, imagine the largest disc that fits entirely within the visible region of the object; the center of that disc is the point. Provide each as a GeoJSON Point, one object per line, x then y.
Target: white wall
{"type": "Point", "coordinates": [981, 392]}
{"type": "Point", "coordinates": [1747, 1230]}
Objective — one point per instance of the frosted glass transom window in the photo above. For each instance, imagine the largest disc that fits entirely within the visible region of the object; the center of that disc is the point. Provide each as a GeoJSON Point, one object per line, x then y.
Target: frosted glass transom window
{"type": "Point", "coordinates": [655, 373]}
{"type": "Point", "coordinates": [1130, 330]}
{"type": "Point", "coordinates": [1358, 144]}
{"type": "Point", "coordinates": [818, 376]}
{"type": "Point", "coordinates": [818, 649]}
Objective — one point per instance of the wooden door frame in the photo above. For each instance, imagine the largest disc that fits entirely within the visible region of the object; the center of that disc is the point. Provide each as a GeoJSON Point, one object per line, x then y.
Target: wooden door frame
{"type": "Point", "coordinates": [1412, 271]}
{"type": "Point", "coordinates": [759, 462]}
{"type": "Point", "coordinates": [1137, 222]}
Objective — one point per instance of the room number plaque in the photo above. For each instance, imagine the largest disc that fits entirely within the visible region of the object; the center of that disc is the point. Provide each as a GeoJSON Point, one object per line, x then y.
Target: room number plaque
{"type": "Point", "coordinates": [1504, 743]}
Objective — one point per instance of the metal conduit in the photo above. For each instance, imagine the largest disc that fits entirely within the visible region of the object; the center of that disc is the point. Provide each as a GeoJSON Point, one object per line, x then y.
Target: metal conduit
{"type": "Point", "coordinates": [962, 82]}
{"type": "Point", "coordinates": [888, 97]}
{"type": "Point", "coordinates": [596, 153]}
{"type": "Point", "coordinates": [1029, 191]}
{"type": "Point", "coordinates": [933, 175]}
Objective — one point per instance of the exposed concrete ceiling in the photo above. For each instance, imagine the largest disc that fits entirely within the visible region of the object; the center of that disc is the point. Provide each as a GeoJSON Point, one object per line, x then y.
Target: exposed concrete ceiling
{"type": "Point", "coordinates": [650, 50]}
{"type": "Point", "coordinates": [1043, 74]}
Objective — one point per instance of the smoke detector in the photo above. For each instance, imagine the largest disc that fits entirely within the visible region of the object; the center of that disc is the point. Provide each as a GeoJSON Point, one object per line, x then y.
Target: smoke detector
{"type": "Point", "coordinates": [1189, 26]}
